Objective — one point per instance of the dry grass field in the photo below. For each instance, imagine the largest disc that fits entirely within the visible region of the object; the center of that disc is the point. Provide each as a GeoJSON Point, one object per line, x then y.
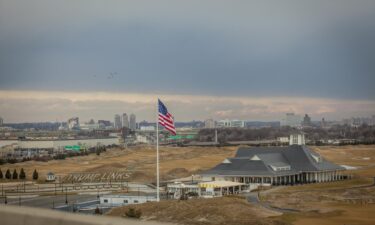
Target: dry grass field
{"type": "Point", "coordinates": [218, 211]}
{"type": "Point", "coordinates": [343, 202]}
{"type": "Point", "coordinates": [138, 162]}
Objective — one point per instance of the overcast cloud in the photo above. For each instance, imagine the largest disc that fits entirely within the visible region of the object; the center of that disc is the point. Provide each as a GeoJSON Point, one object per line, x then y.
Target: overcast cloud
{"type": "Point", "coordinates": [322, 50]}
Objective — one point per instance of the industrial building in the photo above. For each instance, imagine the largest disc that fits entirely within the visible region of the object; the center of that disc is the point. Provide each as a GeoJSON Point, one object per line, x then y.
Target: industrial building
{"type": "Point", "coordinates": [295, 164]}
{"type": "Point", "coordinates": [230, 123]}
{"type": "Point", "coordinates": [38, 148]}
{"type": "Point", "coordinates": [120, 200]}
{"type": "Point", "coordinates": [297, 139]}
{"type": "Point", "coordinates": [73, 123]}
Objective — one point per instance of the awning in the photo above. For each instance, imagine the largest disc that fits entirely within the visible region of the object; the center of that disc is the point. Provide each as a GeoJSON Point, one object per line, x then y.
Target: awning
{"type": "Point", "coordinates": [219, 184]}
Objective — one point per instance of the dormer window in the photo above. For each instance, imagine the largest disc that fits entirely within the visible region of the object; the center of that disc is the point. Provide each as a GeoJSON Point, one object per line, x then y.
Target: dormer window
{"type": "Point", "coordinates": [226, 161]}
{"type": "Point", "coordinates": [317, 158]}
{"type": "Point", "coordinates": [255, 158]}
{"type": "Point", "coordinates": [280, 168]}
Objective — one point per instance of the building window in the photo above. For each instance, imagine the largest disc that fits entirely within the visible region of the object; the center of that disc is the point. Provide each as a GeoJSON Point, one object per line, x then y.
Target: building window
{"type": "Point", "coordinates": [280, 168]}
{"type": "Point", "coordinates": [105, 200]}
{"type": "Point", "coordinates": [126, 201]}
{"type": "Point", "coordinates": [135, 201]}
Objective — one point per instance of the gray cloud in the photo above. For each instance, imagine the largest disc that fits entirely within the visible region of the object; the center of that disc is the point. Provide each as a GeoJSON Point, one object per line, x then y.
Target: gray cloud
{"type": "Point", "coordinates": [221, 48]}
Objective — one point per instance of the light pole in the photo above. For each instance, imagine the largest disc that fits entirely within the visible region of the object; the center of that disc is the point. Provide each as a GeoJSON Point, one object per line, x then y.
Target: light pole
{"type": "Point", "coordinates": [66, 195]}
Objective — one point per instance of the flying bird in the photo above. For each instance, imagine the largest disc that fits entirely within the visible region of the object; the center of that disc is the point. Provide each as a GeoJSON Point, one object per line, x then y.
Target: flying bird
{"type": "Point", "coordinates": [112, 75]}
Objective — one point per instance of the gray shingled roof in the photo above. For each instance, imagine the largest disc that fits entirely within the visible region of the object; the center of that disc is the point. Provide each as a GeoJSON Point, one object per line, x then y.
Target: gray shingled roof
{"type": "Point", "coordinates": [299, 158]}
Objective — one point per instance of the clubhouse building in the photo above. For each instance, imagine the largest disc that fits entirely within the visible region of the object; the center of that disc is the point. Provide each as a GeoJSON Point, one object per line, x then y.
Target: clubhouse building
{"type": "Point", "coordinates": [289, 165]}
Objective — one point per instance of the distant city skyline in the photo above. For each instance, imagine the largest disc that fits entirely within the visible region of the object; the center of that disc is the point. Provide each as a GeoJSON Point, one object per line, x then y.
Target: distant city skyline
{"type": "Point", "coordinates": [59, 106]}
{"type": "Point", "coordinates": [253, 60]}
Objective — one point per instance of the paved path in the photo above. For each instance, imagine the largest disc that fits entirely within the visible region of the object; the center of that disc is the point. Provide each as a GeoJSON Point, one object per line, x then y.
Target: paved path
{"type": "Point", "coordinates": [253, 198]}
{"type": "Point", "coordinates": [48, 201]}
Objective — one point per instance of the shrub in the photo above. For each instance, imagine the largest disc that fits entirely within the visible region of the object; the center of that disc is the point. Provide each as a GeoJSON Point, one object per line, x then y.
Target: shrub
{"type": "Point", "coordinates": [133, 213]}
{"type": "Point", "coordinates": [35, 175]}
{"type": "Point", "coordinates": [15, 174]}
{"type": "Point", "coordinates": [59, 157]}
{"type": "Point", "coordinates": [97, 211]}
{"type": "Point", "coordinates": [192, 194]}
{"type": "Point", "coordinates": [12, 161]}
{"type": "Point", "coordinates": [8, 175]}
{"type": "Point", "coordinates": [22, 174]}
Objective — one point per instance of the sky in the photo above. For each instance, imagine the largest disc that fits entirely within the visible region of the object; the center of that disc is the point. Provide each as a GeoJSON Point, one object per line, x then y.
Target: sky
{"type": "Point", "coordinates": [253, 60]}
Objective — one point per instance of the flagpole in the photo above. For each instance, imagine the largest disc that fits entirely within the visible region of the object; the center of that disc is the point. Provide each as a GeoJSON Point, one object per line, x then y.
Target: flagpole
{"type": "Point", "coordinates": [157, 151]}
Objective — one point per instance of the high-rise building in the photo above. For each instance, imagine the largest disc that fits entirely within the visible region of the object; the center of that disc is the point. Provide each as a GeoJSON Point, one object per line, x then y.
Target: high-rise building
{"type": "Point", "coordinates": [323, 123]}
{"type": "Point", "coordinates": [306, 121]}
{"type": "Point", "coordinates": [291, 120]}
{"type": "Point", "coordinates": [132, 122]}
{"type": "Point", "coordinates": [209, 123]}
{"type": "Point", "coordinates": [117, 122]}
{"type": "Point", "coordinates": [125, 120]}
{"type": "Point", "coordinates": [1, 121]}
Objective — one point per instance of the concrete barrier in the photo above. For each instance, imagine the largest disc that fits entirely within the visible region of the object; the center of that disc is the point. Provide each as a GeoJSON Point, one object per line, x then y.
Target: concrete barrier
{"type": "Point", "coordinates": [15, 215]}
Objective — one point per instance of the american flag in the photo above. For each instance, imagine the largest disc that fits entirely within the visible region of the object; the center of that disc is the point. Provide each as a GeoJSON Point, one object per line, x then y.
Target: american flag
{"type": "Point", "coordinates": [166, 119]}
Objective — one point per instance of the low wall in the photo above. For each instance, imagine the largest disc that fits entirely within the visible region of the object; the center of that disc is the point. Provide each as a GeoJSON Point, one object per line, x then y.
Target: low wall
{"type": "Point", "coordinates": [15, 215]}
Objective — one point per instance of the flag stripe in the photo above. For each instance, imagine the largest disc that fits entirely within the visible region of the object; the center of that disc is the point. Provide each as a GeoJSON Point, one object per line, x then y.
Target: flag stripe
{"type": "Point", "coordinates": [165, 118]}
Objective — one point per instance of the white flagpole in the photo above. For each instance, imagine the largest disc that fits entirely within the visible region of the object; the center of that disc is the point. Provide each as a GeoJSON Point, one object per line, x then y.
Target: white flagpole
{"type": "Point", "coordinates": [157, 151]}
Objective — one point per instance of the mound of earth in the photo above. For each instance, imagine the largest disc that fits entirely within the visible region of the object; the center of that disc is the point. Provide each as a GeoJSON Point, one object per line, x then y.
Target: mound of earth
{"type": "Point", "coordinates": [226, 210]}
{"type": "Point", "coordinates": [177, 173]}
